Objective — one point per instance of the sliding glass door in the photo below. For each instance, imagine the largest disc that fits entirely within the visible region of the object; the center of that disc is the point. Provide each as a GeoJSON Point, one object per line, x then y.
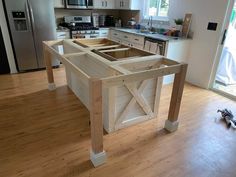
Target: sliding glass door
{"type": "Point", "coordinates": [225, 78]}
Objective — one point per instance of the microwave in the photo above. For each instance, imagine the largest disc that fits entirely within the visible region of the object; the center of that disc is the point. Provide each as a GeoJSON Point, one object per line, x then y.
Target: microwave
{"type": "Point", "coordinates": [79, 4]}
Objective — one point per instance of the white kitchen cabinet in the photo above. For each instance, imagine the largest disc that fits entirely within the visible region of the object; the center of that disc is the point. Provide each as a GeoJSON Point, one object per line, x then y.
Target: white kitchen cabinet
{"type": "Point", "coordinates": [133, 40]}
{"type": "Point", "coordinates": [128, 4]}
{"type": "Point", "coordinates": [59, 3]}
{"type": "Point", "coordinates": [127, 39]}
{"type": "Point", "coordinates": [115, 36]}
{"type": "Point", "coordinates": [104, 4]}
{"type": "Point", "coordinates": [178, 50]}
{"type": "Point", "coordinates": [103, 32]}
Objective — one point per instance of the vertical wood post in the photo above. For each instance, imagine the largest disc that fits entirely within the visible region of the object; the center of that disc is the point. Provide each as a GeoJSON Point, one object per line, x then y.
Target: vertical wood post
{"type": "Point", "coordinates": [97, 154]}
{"type": "Point", "coordinates": [176, 97]}
{"type": "Point", "coordinates": [48, 63]}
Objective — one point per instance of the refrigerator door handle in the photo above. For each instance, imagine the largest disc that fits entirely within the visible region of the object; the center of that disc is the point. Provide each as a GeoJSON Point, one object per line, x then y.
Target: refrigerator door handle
{"type": "Point", "coordinates": [28, 17]}
{"type": "Point", "coordinates": [31, 15]}
{"type": "Point", "coordinates": [30, 10]}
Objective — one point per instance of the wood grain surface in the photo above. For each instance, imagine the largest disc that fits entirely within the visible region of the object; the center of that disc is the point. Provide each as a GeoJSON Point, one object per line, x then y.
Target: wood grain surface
{"type": "Point", "coordinates": [47, 134]}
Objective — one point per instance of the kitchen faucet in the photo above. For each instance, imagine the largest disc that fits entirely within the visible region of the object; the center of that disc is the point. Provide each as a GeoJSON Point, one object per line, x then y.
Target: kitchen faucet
{"type": "Point", "coordinates": [150, 23]}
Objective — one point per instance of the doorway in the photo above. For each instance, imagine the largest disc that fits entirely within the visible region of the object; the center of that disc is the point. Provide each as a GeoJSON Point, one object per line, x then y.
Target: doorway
{"type": "Point", "coordinates": [4, 65]}
{"type": "Point", "coordinates": [225, 78]}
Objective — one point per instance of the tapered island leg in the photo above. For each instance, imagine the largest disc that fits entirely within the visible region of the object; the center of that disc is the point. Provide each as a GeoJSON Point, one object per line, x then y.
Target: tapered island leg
{"type": "Point", "coordinates": [48, 63]}
{"type": "Point", "coordinates": [177, 92]}
{"type": "Point", "coordinates": [97, 154]}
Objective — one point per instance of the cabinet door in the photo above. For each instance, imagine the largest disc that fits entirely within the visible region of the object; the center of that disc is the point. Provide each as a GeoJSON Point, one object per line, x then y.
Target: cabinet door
{"type": "Point", "coordinates": [103, 32]}
{"type": "Point", "coordinates": [110, 4]}
{"type": "Point", "coordinates": [104, 4]}
{"type": "Point", "coordinates": [126, 37]}
{"type": "Point", "coordinates": [135, 5]}
{"type": "Point", "coordinates": [118, 4]}
{"type": "Point", "coordinates": [59, 4]}
{"type": "Point", "coordinates": [138, 39]}
{"type": "Point", "coordinates": [126, 4]}
{"type": "Point", "coordinates": [98, 4]}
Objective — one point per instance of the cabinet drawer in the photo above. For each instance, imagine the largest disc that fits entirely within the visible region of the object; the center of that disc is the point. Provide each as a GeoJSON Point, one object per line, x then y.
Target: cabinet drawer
{"type": "Point", "coordinates": [138, 39]}
{"type": "Point", "coordinates": [116, 39]}
{"type": "Point", "coordinates": [115, 34]}
{"type": "Point", "coordinates": [103, 33]}
{"type": "Point", "coordinates": [127, 37]}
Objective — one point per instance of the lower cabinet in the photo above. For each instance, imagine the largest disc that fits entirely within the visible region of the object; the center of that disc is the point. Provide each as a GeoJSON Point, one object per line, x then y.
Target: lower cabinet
{"type": "Point", "coordinates": [104, 32]}
{"type": "Point", "coordinates": [127, 39]}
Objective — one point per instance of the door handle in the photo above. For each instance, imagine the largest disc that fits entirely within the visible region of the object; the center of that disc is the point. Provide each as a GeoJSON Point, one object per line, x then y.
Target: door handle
{"type": "Point", "coordinates": [106, 3]}
{"type": "Point", "coordinates": [102, 3]}
{"type": "Point", "coordinates": [224, 37]}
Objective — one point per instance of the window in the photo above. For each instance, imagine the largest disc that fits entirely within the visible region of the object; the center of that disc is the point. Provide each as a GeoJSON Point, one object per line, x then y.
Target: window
{"type": "Point", "coordinates": [156, 8]}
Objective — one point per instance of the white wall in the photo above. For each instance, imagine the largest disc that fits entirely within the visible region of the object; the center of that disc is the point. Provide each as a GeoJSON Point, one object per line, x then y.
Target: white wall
{"type": "Point", "coordinates": [6, 39]}
{"type": "Point", "coordinates": [205, 43]}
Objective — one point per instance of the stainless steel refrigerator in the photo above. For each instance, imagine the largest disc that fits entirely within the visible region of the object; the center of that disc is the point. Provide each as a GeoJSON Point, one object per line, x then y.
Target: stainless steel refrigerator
{"type": "Point", "coordinates": [30, 23]}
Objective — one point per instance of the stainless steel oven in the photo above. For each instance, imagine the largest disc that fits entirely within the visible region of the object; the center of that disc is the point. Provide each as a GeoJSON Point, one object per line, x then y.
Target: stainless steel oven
{"type": "Point", "coordinates": [79, 4]}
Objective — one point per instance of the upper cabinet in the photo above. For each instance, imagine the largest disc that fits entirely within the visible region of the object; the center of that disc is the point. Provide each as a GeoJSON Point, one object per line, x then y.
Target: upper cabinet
{"type": "Point", "coordinates": [107, 4]}
{"type": "Point", "coordinates": [128, 4]}
{"type": "Point", "coordinates": [104, 4]}
{"type": "Point", "coordinates": [59, 4]}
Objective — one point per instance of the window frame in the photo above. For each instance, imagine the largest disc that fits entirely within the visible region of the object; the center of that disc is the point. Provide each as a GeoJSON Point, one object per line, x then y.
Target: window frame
{"type": "Point", "coordinates": [146, 16]}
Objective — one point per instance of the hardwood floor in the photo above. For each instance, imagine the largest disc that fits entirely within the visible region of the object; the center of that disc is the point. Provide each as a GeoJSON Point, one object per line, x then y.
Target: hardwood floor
{"type": "Point", "coordinates": [46, 134]}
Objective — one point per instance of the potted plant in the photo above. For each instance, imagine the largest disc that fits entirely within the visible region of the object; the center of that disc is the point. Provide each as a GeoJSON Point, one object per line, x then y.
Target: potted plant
{"type": "Point", "coordinates": [179, 23]}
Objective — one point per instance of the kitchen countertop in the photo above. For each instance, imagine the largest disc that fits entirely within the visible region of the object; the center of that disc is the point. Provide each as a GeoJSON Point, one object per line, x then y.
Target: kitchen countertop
{"type": "Point", "coordinates": [153, 36]}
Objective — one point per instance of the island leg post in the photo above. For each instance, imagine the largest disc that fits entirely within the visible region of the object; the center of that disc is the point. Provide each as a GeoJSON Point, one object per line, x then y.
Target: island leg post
{"type": "Point", "coordinates": [97, 154]}
{"type": "Point", "coordinates": [48, 63]}
{"type": "Point", "coordinates": [177, 92]}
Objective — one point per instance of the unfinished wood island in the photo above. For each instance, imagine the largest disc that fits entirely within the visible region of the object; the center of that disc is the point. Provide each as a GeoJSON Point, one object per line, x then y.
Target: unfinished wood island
{"type": "Point", "coordinates": [119, 85]}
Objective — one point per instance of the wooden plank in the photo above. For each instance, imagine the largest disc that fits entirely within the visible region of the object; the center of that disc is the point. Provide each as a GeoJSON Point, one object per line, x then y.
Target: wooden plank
{"type": "Point", "coordinates": [133, 121]}
{"type": "Point", "coordinates": [52, 43]}
{"type": "Point", "coordinates": [158, 95]}
{"type": "Point", "coordinates": [139, 99]}
{"type": "Point", "coordinates": [114, 50]}
{"type": "Point", "coordinates": [139, 76]}
{"type": "Point", "coordinates": [177, 93]}
{"type": "Point", "coordinates": [74, 54]}
{"type": "Point", "coordinates": [139, 59]}
{"type": "Point", "coordinates": [69, 65]}
{"type": "Point", "coordinates": [186, 25]}
{"type": "Point", "coordinates": [48, 63]}
{"type": "Point", "coordinates": [121, 69]}
{"type": "Point", "coordinates": [130, 104]}
{"type": "Point", "coordinates": [96, 119]}
{"type": "Point", "coordinates": [107, 47]}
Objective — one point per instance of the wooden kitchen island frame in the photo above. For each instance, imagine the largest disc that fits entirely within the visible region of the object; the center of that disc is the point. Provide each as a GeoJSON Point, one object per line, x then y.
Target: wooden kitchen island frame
{"type": "Point", "coordinates": [123, 73]}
